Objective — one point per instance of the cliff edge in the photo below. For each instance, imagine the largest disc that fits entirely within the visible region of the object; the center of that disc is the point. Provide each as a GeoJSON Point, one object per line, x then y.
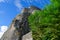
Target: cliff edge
{"type": "Point", "coordinates": [19, 28]}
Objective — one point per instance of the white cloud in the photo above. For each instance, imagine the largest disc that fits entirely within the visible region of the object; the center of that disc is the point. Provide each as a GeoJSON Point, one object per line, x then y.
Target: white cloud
{"type": "Point", "coordinates": [2, 30]}
{"type": "Point", "coordinates": [2, 0]}
{"type": "Point", "coordinates": [1, 33]}
{"type": "Point", "coordinates": [18, 5]}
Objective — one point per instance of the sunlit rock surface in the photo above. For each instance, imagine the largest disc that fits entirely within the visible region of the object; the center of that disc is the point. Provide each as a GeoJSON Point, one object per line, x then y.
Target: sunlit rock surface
{"type": "Point", "coordinates": [19, 28]}
{"type": "Point", "coordinates": [28, 36]}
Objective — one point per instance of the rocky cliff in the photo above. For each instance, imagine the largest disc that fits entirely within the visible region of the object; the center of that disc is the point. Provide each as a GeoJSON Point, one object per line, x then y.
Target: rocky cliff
{"type": "Point", "coordinates": [19, 28]}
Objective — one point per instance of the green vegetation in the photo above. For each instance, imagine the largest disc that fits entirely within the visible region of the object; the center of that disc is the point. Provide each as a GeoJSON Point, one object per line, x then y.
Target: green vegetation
{"type": "Point", "coordinates": [45, 24]}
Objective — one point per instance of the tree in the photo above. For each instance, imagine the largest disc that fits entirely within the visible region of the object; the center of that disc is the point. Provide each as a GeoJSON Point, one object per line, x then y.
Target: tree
{"type": "Point", "coordinates": [45, 24]}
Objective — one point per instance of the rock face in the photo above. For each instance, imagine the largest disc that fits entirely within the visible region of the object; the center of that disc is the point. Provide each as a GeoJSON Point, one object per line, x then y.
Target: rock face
{"type": "Point", "coordinates": [19, 28]}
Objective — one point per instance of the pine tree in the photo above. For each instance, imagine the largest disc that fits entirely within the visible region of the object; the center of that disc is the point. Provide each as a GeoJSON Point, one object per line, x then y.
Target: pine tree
{"type": "Point", "coordinates": [45, 24]}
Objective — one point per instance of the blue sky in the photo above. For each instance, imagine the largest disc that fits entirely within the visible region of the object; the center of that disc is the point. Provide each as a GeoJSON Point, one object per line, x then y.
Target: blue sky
{"type": "Point", "coordinates": [10, 8]}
